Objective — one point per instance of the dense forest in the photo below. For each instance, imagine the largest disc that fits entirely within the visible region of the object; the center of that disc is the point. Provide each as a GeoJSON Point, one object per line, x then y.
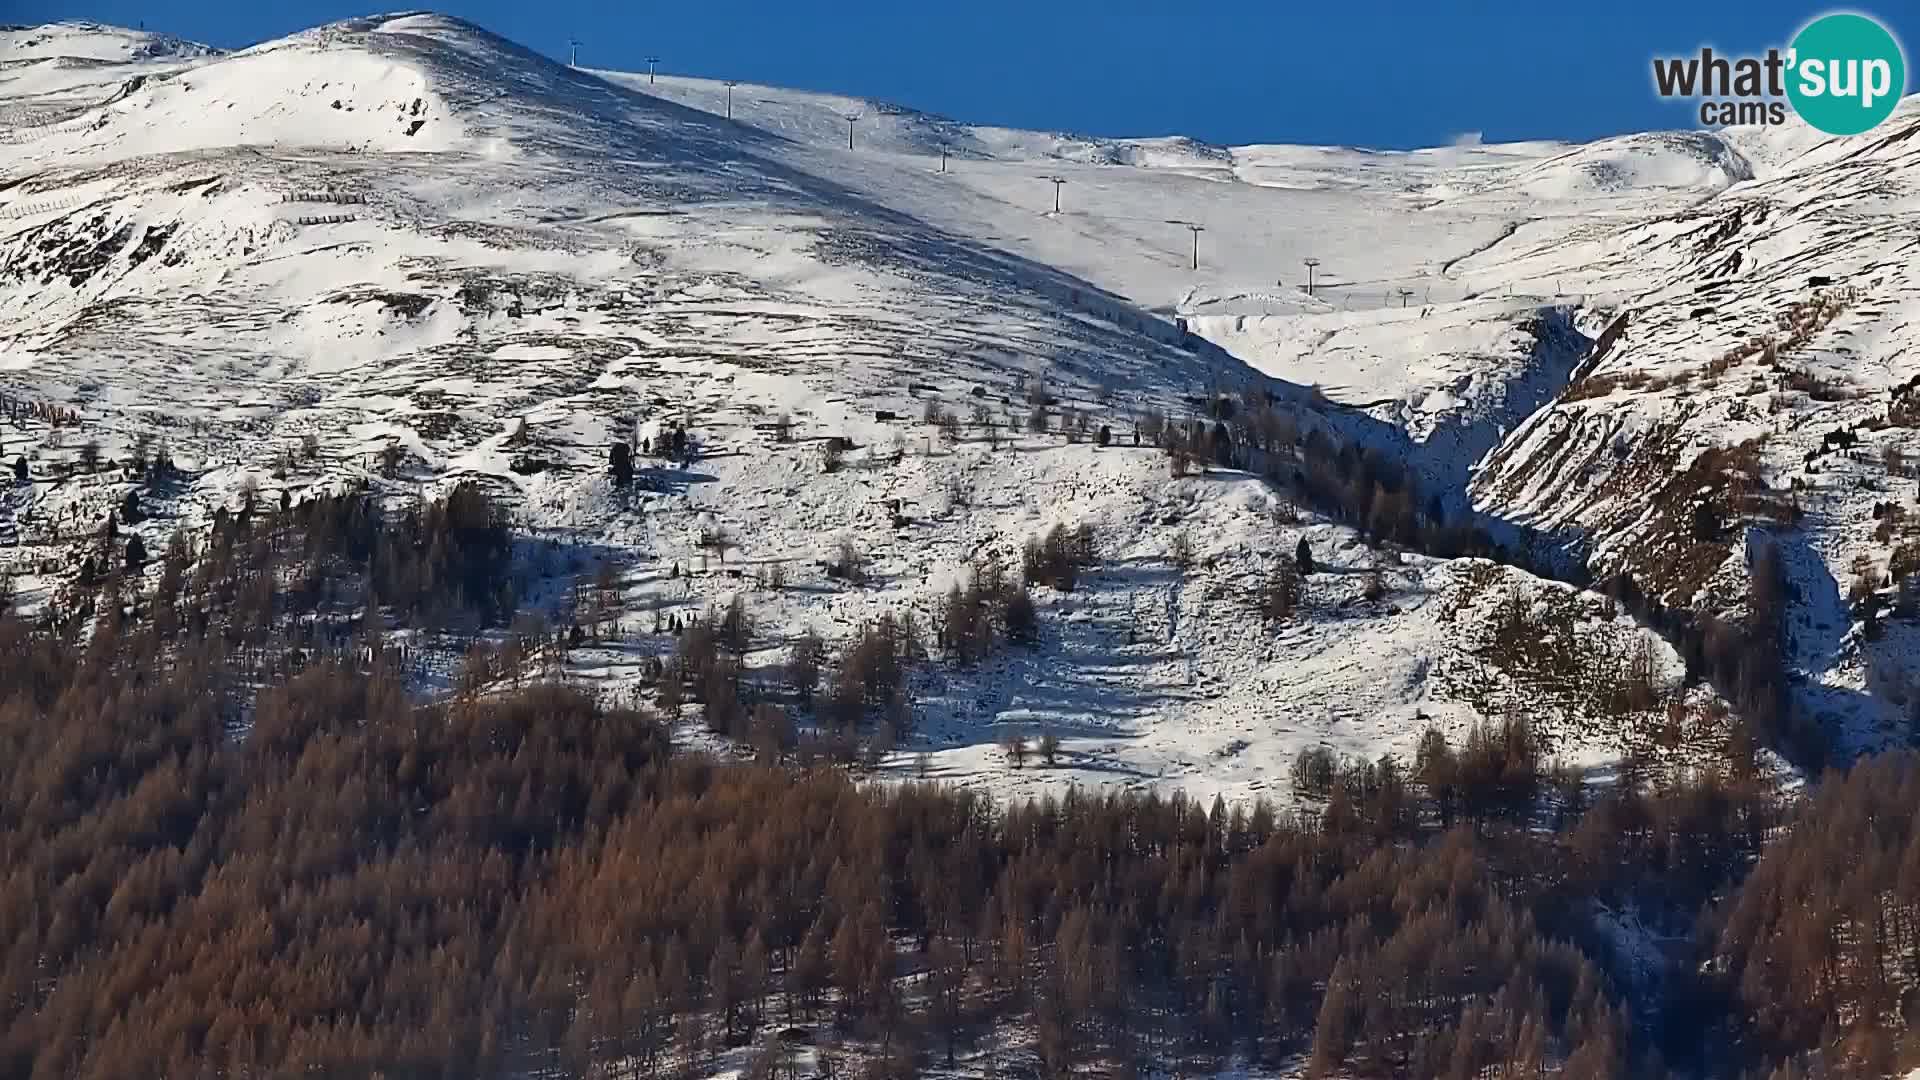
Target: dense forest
{"type": "Point", "coordinates": [233, 844]}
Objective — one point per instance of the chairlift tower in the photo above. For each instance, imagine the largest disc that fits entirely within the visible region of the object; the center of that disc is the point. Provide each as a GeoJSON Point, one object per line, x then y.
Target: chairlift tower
{"type": "Point", "coordinates": [651, 62]}
{"type": "Point", "coordinates": [852, 119]}
{"type": "Point", "coordinates": [731, 83]}
{"type": "Point", "coordinates": [1057, 183]}
{"type": "Point", "coordinates": [1311, 263]}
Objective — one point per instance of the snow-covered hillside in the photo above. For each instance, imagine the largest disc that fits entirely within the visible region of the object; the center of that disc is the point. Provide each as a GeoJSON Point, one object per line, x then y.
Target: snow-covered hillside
{"type": "Point", "coordinates": [403, 251]}
{"type": "Point", "coordinates": [1401, 323]}
{"type": "Point", "coordinates": [1778, 314]}
{"type": "Point", "coordinates": [78, 42]}
{"type": "Point", "coordinates": [53, 73]}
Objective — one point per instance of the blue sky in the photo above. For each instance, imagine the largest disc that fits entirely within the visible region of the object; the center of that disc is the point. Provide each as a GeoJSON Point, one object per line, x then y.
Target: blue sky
{"type": "Point", "coordinates": [1382, 73]}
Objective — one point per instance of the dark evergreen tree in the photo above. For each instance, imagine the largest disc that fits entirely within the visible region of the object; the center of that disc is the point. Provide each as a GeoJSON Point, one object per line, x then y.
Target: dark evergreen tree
{"type": "Point", "coordinates": [620, 463]}
{"type": "Point", "coordinates": [1303, 556]}
{"type": "Point", "coordinates": [1220, 443]}
{"type": "Point", "coordinates": [1022, 621]}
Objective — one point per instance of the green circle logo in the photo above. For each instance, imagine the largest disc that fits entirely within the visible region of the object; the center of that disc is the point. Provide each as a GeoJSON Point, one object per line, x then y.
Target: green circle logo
{"type": "Point", "coordinates": [1847, 73]}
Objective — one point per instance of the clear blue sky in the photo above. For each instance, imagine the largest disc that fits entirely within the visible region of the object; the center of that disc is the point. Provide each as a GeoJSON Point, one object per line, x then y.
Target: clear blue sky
{"type": "Point", "coordinates": [1382, 73]}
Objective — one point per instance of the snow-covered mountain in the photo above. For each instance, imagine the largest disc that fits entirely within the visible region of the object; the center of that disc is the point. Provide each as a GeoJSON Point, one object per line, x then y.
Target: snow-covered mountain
{"type": "Point", "coordinates": [76, 43]}
{"type": "Point", "coordinates": [405, 238]}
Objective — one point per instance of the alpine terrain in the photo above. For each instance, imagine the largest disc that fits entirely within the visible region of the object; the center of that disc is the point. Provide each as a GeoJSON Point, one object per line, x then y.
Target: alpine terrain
{"type": "Point", "coordinates": [444, 481]}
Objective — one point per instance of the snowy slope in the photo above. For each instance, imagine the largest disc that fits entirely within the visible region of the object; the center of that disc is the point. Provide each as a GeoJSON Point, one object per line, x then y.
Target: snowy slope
{"type": "Point", "coordinates": [813, 118]}
{"type": "Point", "coordinates": [1778, 312]}
{"type": "Point", "coordinates": [88, 41]}
{"type": "Point", "coordinates": [405, 232]}
{"type": "Point", "coordinates": [1125, 201]}
{"type": "Point", "coordinates": [52, 73]}
{"type": "Point", "coordinates": [1395, 233]}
